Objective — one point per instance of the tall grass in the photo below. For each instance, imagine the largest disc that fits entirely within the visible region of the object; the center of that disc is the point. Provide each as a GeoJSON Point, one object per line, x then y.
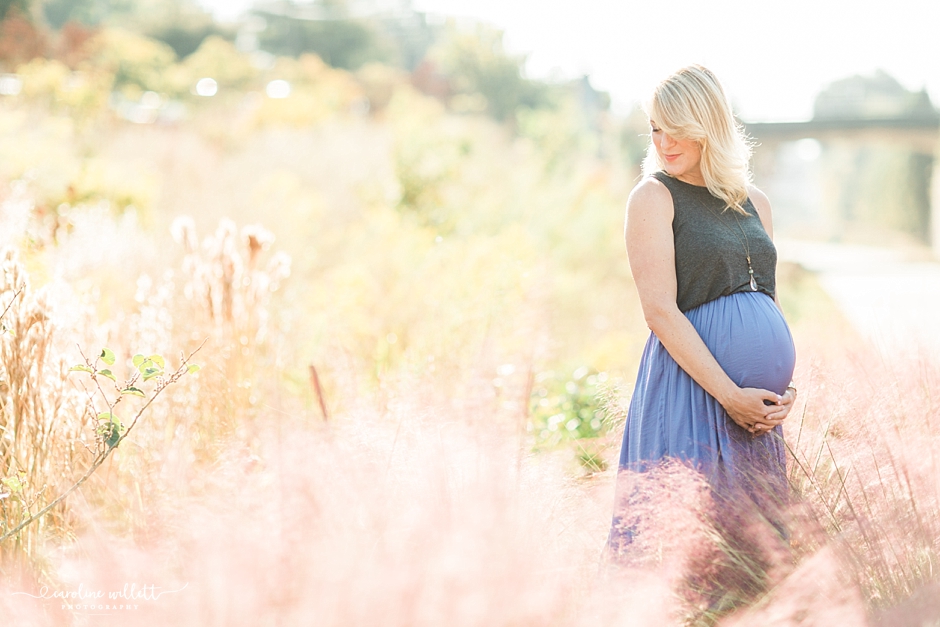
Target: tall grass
{"type": "Point", "coordinates": [414, 512]}
{"type": "Point", "coordinates": [444, 277]}
{"type": "Point", "coordinates": [45, 435]}
{"type": "Point", "coordinates": [864, 464]}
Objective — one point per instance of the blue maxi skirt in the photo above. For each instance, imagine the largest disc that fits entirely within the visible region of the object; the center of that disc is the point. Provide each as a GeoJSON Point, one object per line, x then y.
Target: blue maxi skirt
{"type": "Point", "coordinates": [673, 417]}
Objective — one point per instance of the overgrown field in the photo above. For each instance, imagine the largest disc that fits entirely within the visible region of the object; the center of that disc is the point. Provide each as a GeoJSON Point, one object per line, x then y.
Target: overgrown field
{"type": "Point", "coordinates": [416, 334]}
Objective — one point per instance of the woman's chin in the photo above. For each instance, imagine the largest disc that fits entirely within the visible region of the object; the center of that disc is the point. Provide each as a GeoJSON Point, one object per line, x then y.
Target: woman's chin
{"type": "Point", "coordinates": [683, 173]}
{"type": "Point", "coordinates": [674, 170]}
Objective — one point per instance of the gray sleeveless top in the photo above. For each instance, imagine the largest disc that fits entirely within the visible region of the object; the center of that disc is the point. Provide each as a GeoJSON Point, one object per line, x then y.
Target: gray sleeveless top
{"type": "Point", "coordinates": [710, 252]}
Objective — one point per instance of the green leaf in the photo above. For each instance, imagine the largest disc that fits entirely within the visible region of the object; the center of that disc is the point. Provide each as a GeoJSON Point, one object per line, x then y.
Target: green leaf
{"type": "Point", "coordinates": [111, 432]}
{"type": "Point", "coordinates": [109, 417]}
{"type": "Point", "coordinates": [150, 373]}
{"type": "Point", "coordinates": [133, 391]}
{"type": "Point", "coordinates": [13, 483]}
{"type": "Point", "coordinates": [158, 359]}
{"type": "Point", "coordinates": [81, 368]}
{"type": "Point", "coordinates": [138, 359]}
{"type": "Point", "coordinates": [106, 373]}
{"type": "Point", "coordinates": [107, 356]}
{"type": "Point", "coordinates": [191, 368]}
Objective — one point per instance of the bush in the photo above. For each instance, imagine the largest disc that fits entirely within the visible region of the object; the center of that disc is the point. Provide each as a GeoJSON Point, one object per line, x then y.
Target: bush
{"type": "Point", "coordinates": [318, 93]}
{"type": "Point", "coordinates": [575, 409]}
{"type": "Point", "coordinates": [136, 62]}
{"type": "Point", "coordinates": [218, 59]}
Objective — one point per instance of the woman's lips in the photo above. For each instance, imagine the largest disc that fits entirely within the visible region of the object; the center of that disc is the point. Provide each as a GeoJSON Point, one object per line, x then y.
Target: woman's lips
{"type": "Point", "coordinates": [671, 157]}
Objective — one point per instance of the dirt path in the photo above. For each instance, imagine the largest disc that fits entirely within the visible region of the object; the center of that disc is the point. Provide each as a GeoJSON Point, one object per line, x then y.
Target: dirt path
{"type": "Point", "coordinates": [888, 297]}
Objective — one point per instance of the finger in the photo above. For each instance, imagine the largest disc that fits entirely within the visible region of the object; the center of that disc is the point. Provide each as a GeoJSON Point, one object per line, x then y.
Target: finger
{"type": "Point", "coordinates": [765, 422]}
{"type": "Point", "coordinates": [767, 395]}
{"type": "Point", "coordinates": [768, 425]}
{"type": "Point", "coordinates": [769, 398]}
{"type": "Point", "coordinates": [770, 421]}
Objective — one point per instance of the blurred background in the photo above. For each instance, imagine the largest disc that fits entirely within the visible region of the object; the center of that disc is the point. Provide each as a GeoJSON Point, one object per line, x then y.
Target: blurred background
{"type": "Point", "coordinates": [399, 225]}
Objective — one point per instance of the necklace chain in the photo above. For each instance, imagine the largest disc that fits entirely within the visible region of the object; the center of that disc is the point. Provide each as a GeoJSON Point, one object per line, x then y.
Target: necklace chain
{"type": "Point", "coordinates": [747, 248]}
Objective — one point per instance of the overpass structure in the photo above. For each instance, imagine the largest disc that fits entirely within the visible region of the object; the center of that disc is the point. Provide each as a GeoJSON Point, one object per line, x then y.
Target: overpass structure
{"type": "Point", "coordinates": [917, 136]}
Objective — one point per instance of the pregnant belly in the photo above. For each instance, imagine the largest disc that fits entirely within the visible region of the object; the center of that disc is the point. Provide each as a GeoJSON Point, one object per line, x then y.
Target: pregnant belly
{"type": "Point", "coordinates": [749, 338]}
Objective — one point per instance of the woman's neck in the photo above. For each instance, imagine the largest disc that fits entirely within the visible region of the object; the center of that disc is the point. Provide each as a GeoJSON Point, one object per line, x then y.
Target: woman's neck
{"type": "Point", "coordinates": [692, 178]}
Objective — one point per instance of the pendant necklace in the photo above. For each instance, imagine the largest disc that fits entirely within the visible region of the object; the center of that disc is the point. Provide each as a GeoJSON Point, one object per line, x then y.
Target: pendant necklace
{"type": "Point", "coordinates": [745, 243]}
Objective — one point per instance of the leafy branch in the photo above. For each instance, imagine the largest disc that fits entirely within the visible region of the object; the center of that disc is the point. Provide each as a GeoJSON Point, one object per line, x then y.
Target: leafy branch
{"type": "Point", "coordinates": [110, 431]}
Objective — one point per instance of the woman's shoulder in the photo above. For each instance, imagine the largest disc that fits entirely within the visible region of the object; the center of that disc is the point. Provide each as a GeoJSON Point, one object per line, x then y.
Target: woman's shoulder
{"type": "Point", "coordinates": [650, 202]}
{"type": "Point", "coordinates": [759, 200]}
{"type": "Point", "coordinates": [762, 205]}
{"type": "Point", "coordinates": [650, 193]}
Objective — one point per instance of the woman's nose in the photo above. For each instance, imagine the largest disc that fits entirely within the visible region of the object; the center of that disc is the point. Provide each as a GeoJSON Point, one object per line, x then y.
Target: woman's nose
{"type": "Point", "coordinates": [666, 140]}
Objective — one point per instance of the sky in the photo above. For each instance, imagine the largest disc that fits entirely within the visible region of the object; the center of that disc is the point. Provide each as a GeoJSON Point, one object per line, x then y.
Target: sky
{"type": "Point", "coordinates": [773, 57]}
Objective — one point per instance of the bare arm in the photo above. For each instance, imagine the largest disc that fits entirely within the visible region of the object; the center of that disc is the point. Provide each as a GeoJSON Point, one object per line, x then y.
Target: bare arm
{"type": "Point", "coordinates": [651, 249]}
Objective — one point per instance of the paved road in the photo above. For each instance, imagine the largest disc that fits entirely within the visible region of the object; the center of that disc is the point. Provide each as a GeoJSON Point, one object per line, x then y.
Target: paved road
{"type": "Point", "coordinates": [885, 295]}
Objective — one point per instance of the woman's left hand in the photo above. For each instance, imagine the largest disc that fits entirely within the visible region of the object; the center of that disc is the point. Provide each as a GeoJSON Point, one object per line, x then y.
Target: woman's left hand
{"type": "Point", "coordinates": [784, 405]}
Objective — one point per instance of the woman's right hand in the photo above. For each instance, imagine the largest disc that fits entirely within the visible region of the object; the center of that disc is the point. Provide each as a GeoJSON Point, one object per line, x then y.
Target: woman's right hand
{"type": "Point", "coordinates": [747, 409]}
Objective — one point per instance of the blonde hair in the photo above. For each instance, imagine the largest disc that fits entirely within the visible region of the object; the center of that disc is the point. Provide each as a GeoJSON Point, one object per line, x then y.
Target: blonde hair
{"type": "Point", "coordinates": [691, 104]}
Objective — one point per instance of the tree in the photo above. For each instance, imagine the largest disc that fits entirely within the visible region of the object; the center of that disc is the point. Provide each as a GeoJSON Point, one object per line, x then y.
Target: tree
{"type": "Point", "coordinates": [20, 40]}
{"type": "Point", "coordinates": [327, 30]}
{"type": "Point", "coordinates": [88, 12]}
{"type": "Point", "coordinates": [181, 24]}
{"type": "Point", "coordinates": [477, 64]}
{"type": "Point", "coordinates": [13, 6]}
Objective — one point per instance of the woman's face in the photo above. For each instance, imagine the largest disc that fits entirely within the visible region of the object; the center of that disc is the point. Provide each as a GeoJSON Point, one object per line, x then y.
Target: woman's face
{"type": "Point", "coordinates": [682, 157]}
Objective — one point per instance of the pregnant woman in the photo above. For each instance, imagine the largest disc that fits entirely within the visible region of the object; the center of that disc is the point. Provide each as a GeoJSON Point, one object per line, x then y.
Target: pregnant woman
{"type": "Point", "coordinates": [714, 381]}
